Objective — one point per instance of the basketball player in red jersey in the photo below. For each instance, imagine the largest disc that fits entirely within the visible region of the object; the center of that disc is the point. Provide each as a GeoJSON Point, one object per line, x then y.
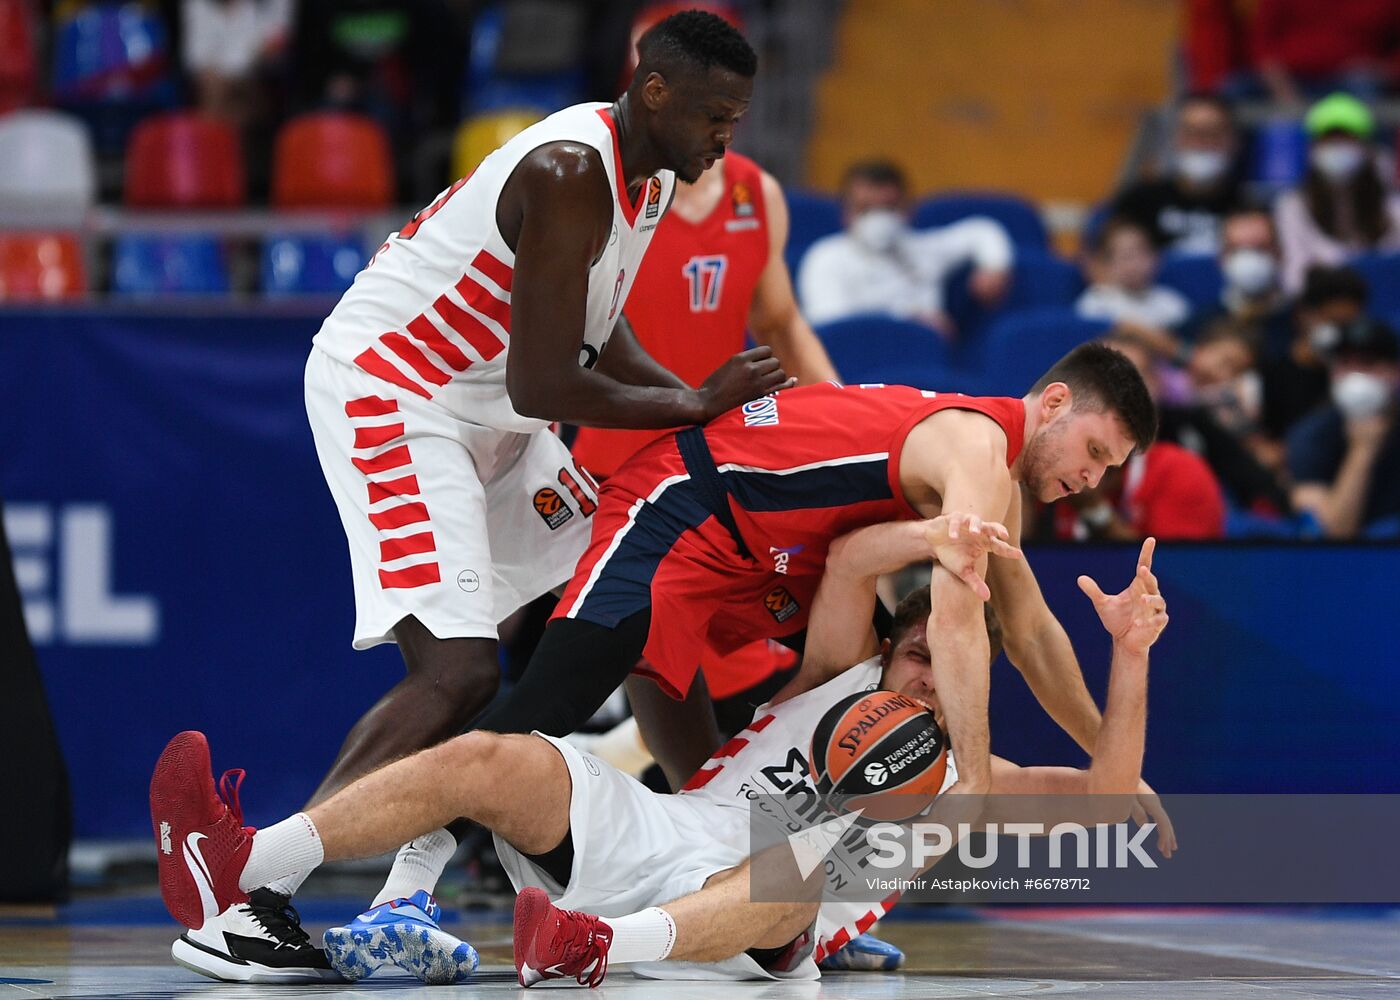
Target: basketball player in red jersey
{"type": "Point", "coordinates": [717, 537]}
{"type": "Point", "coordinates": [430, 389]}
{"type": "Point", "coordinates": [715, 270]}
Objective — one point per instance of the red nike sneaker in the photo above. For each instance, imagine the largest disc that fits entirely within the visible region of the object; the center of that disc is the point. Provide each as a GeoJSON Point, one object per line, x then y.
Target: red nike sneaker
{"type": "Point", "coordinates": [551, 943]}
{"type": "Point", "coordinates": [201, 842]}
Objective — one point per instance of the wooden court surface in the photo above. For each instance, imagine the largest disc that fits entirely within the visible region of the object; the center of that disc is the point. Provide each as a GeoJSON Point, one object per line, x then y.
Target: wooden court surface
{"type": "Point", "coordinates": [1276, 955]}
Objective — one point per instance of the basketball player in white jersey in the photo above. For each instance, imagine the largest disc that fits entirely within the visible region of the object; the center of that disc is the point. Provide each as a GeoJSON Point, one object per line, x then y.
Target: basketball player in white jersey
{"type": "Point", "coordinates": [662, 880]}
{"type": "Point", "coordinates": [430, 390]}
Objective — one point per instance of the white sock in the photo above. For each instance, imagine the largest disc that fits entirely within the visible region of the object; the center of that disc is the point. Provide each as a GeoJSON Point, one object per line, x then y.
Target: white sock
{"type": "Point", "coordinates": [647, 936]}
{"type": "Point", "coordinates": [282, 849]}
{"type": "Point", "coordinates": [288, 886]}
{"type": "Point", "coordinates": [418, 865]}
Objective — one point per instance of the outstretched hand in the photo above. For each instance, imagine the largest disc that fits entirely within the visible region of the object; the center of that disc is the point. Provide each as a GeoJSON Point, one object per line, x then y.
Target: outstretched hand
{"type": "Point", "coordinates": [1136, 615]}
{"type": "Point", "coordinates": [958, 541]}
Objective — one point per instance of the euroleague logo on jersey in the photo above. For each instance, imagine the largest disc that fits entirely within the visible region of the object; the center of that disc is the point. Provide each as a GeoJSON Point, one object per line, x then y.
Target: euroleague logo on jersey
{"type": "Point", "coordinates": [551, 506]}
{"type": "Point", "coordinates": [743, 200]}
{"type": "Point", "coordinates": [781, 604]}
{"type": "Point", "coordinates": [653, 198]}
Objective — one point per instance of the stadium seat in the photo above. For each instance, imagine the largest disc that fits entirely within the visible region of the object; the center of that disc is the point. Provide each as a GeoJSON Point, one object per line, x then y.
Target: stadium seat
{"type": "Point", "coordinates": [310, 264]}
{"type": "Point", "coordinates": [1195, 276]}
{"type": "Point", "coordinates": [1382, 273]}
{"type": "Point", "coordinates": [486, 88]}
{"type": "Point", "coordinates": [17, 63]}
{"type": "Point", "coordinates": [1020, 218]}
{"type": "Point", "coordinates": [332, 160]}
{"type": "Point", "coordinates": [50, 175]}
{"type": "Point", "coordinates": [1038, 279]}
{"type": "Point", "coordinates": [112, 66]}
{"type": "Point", "coordinates": [810, 217]}
{"type": "Point", "coordinates": [876, 348]}
{"type": "Point", "coordinates": [480, 135]}
{"type": "Point", "coordinates": [183, 160]}
{"type": "Point", "coordinates": [40, 267]}
{"type": "Point", "coordinates": [149, 264]}
{"type": "Point", "coordinates": [1018, 348]}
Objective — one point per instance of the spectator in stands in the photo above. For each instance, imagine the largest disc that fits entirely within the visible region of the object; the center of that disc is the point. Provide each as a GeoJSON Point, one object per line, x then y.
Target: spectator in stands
{"type": "Point", "coordinates": [1183, 209]}
{"type": "Point", "coordinates": [1185, 418]}
{"type": "Point", "coordinates": [1252, 295]}
{"type": "Point", "coordinates": [1166, 492]}
{"type": "Point", "coordinates": [1304, 47]}
{"type": "Point", "coordinates": [1342, 207]}
{"type": "Point", "coordinates": [1345, 456]}
{"type": "Point", "coordinates": [879, 264]}
{"type": "Point", "coordinates": [226, 46]}
{"type": "Point", "coordinates": [1297, 382]}
{"type": "Point", "coordinates": [1122, 273]}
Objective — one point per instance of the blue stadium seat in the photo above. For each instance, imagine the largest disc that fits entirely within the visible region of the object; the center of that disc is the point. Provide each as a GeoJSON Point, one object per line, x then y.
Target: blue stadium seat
{"type": "Point", "coordinates": [310, 264]}
{"type": "Point", "coordinates": [1019, 217]}
{"type": "Point", "coordinates": [485, 89]}
{"type": "Point", "coordinates": [1195, 276]}
{"type": "Point", "coordinates": [147, 264]}
{"type": "Point", "coordinates": [1093, 224]}
{"type": "Point", "coordinates": [1018, 348]}
{"type": "Point", "coordinates": [1382, 273]}
{"type": "Point", "coordinates": [810, 217]}
{"type": "Point", "coordinates": [1038, 280]}
{"type": "Point", "coordinates": [876, 348]}
{"type": "Point", "coordinates": [1278, 154]}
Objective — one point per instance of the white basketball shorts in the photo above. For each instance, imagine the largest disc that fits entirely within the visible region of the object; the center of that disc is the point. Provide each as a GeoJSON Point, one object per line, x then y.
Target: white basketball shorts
{"type": "Point", "coordinates": [451, 522]}
{"type": "Point", "coordinates": [634, 849]}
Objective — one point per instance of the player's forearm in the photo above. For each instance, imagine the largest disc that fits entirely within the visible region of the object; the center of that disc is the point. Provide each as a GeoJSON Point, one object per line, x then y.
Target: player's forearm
{"type": "Point", "coordinates": [798, 348]}
{"type": "Point", "coordinates": [1117, 763]}
{"type": "Point", "coordinates": [592, 399]}
{"type": "Point", "coordinates": [627, 361]}
{"type": "Point", "coordinates": [1046, 660]}
{"type": "Point", "coordinates": [959, 651]}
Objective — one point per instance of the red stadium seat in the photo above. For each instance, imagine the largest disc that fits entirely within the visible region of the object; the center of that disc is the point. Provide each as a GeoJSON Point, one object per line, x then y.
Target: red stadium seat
{"type": "Point", "coordinates": [332, 160]}
{"type": "Point", "coordinates": [17, 62]}
{"type": "Point", "coordinates": [183, 160]}
{"type": "Point", "coordinates": [40, 267]}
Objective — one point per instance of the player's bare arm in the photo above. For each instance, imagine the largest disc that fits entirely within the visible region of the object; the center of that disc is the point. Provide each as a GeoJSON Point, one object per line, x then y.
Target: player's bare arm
{"type": "Point", "coordinates": [1037, 645]}
{"type": "Point", "coordinates": [840, 634]}
{"type": "Point", "coordinates": [956, 461]}
{"type": "Point", "coordinates": [774, 319]}
{"type": "Point", "coordinates": [555, 213]}
{"type": "Point", "coordinates": [1106, 791]}
{"type": "Point", "coordinates": [627, 361]}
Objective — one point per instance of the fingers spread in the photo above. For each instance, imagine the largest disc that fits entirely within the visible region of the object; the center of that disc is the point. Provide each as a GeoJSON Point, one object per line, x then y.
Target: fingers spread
{"type": "Point", "coordinates": [1090, 588]}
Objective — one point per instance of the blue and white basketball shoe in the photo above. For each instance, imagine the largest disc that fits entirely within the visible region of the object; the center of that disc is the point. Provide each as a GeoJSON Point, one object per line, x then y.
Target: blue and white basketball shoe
{"type": "Point", "coordinates": [864, 953]}
{"type": "Point", "coordinates": [403, 933]}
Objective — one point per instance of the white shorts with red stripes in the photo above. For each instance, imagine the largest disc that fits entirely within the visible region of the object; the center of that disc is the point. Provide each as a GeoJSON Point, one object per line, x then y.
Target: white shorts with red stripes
{"type": "Point", "coordinates": [448, 521]}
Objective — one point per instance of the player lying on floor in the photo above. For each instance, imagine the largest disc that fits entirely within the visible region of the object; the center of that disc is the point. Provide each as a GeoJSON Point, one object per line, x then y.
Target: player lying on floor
{"type": "Point", "coordinates": [662, 877]}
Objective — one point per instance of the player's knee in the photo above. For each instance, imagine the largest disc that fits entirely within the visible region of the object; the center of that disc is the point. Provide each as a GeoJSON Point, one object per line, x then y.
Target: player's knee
{"type": "Point", "coordinates": [475, 752]}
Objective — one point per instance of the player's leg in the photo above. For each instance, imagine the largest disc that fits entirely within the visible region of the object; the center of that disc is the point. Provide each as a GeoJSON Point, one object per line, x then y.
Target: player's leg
{"type": "Point", "coordinates": [722, 919]}
{"type": "Point", "coordinates": [681, 735]}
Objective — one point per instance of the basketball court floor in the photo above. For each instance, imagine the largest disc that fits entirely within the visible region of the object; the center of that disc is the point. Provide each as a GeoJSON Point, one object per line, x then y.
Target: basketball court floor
{"type": "Point", "coordinates": [119, 948]}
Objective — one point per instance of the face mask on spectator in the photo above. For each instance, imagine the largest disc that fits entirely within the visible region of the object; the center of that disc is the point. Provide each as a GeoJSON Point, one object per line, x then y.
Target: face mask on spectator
{"type": "Point", "coordinates": [1360, 394]}
{"type": "Point", "coordinates": [1200, 166]}
{"type": "Point", "coordinates": [878, 229]}
{"type": "Point", "coordinates": [1253, 272]}
{"type": "Point", "coordinates": [1338, 161]}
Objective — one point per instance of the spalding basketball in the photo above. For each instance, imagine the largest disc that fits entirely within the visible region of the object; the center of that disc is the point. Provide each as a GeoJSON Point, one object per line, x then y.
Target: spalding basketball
{"type": "Point", "coordinates": [881, 752]}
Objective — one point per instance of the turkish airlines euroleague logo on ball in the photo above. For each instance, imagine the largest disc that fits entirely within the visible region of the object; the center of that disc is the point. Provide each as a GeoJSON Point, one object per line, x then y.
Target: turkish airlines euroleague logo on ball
{"type": "Point", "coordinates": [653, 197]}
{"type": "Point", "coordinates": [780, 604]}
{"type": "Point", "coordinates": [551, 506]}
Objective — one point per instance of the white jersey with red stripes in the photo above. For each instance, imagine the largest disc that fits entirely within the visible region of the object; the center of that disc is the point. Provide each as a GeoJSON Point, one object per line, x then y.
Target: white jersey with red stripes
{"type": "Point", "coordinates": [768, 759]}
{"type": "Point", "coordinates": [431, 313]}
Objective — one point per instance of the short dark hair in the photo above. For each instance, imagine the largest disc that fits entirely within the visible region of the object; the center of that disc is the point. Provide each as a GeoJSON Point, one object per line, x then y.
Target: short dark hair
{"type": "Point", "coordinates": [883, 172]}
{"type": "Point", "coordinates": [1102, 378]}
{"type": "Point", "coordinates": [1229, 328]}
{"type": "Point", "coordinates": [914, 609]}
{"type": "Point", "coordinates": [697, 38]}
{"type": "Point", "coordinates": [1116, 224]}
{"type": "Point", "coordinates": [1328, 284]}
